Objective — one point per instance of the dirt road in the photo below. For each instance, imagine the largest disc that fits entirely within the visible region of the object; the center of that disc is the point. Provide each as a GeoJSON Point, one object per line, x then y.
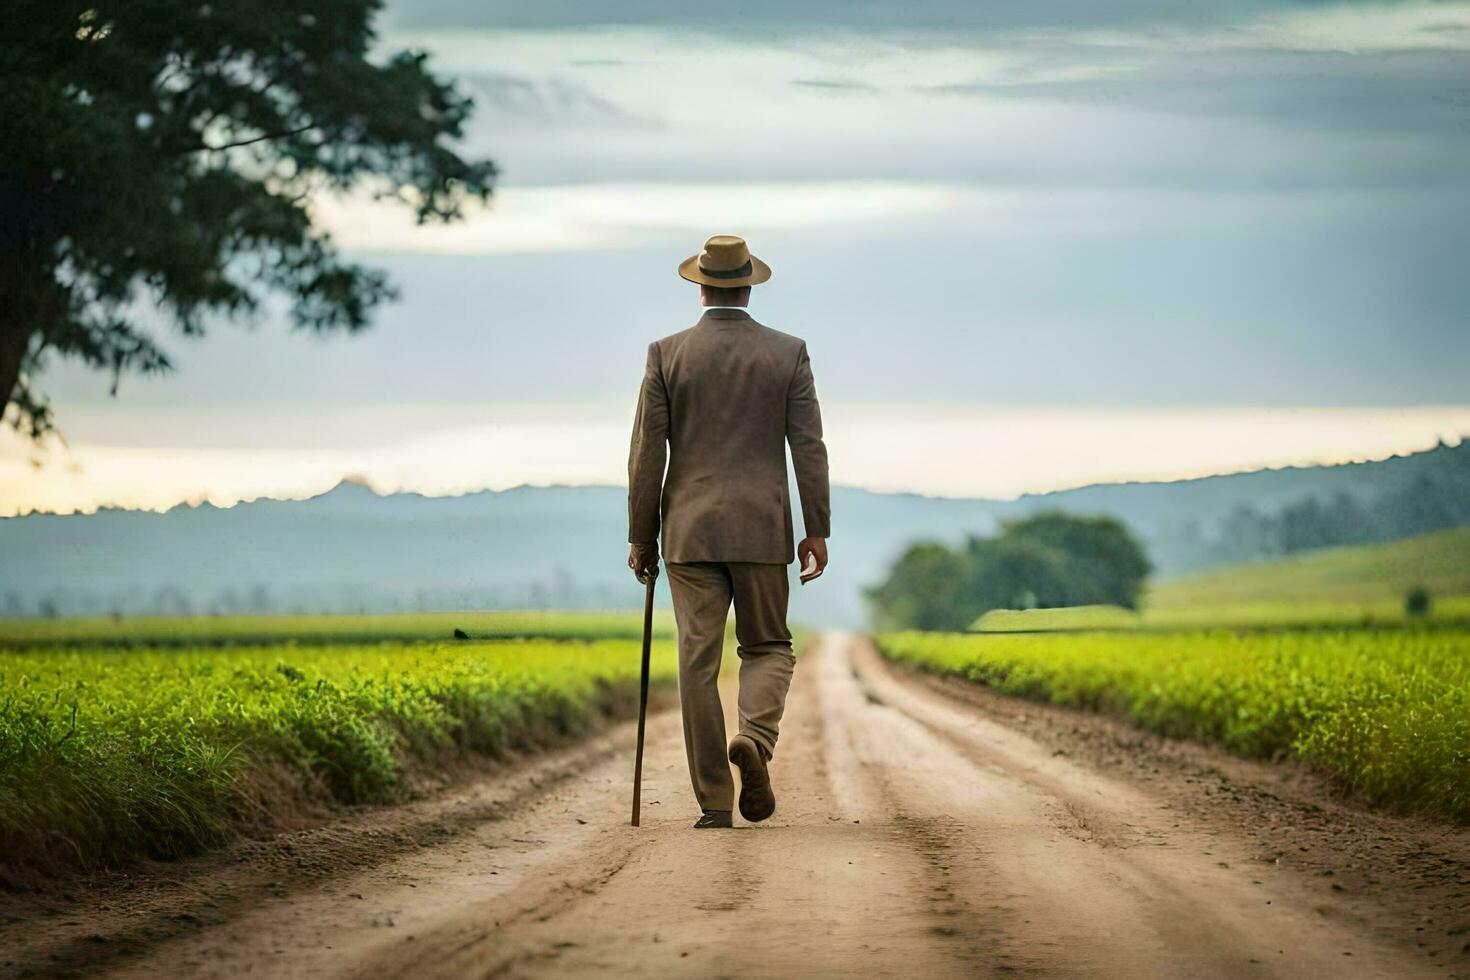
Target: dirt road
{"type": "Point", "coordinates": [916, 836]}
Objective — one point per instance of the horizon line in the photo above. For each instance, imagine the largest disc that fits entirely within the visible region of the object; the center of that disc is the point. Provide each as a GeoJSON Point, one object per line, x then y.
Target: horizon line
{"type": "Point", "coordinates": [357, 480]}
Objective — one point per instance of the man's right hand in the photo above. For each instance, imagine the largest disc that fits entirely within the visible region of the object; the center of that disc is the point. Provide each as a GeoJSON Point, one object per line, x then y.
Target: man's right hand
{"type": "Point", "coordinates": [812, 553]}
{"type": "Point", "coordinates": [643, 559]}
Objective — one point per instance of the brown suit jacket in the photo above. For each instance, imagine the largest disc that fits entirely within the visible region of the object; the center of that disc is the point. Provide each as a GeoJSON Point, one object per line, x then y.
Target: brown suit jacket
{"type": "Point", "coordinates": [720, 401]}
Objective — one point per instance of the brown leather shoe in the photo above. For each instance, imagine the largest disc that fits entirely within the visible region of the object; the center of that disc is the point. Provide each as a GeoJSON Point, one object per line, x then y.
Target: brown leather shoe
{"type": "Point", "coordinates": [714, 820]}
{"type": "Point", "coordinates": [757, 799]}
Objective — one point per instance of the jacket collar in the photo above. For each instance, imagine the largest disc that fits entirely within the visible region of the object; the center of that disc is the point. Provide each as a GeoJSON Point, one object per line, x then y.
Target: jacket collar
{"type": "Point", "coordinates": [725, 313]}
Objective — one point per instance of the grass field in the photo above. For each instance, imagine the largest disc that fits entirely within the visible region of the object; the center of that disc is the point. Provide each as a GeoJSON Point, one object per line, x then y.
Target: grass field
{"type": "Point", "coordinates": [1369, 573]}
{"type": "Point", "coordinates": [1386, 711]}
{"type": "Point", "coordinates": [107, 754]}
{"type": "Point", "coordinates": [1067, 618]}
{"type": "Point", "coordinates": [1338, 586]}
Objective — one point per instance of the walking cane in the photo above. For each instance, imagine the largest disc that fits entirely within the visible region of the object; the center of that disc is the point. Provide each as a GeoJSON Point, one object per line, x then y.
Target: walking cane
{"type": "Point", "coordinates": [652, 574]}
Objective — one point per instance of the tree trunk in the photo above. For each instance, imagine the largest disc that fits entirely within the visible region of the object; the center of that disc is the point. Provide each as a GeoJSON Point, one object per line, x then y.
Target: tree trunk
{"type": "Point", "coordinates": [26, 294]}
{"type": "Point", "coordinates": [13, 344]}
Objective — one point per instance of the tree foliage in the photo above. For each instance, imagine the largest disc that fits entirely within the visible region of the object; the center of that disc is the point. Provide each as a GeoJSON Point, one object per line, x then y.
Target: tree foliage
{"type": "Point", "coordinates": [1048, 560]}
{"type": "Point", "coordinates": [156, 162]}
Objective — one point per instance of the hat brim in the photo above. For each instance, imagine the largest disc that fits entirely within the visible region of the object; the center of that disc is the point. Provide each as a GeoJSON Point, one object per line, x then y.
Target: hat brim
{"type": "Point", "coordinates": [759, 273]}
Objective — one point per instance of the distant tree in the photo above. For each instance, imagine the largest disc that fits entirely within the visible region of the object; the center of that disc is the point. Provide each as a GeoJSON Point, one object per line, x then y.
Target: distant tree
{"type": "Point", "coordinates": [1051, 559]}
{"type": "Point", "coordinates": [1104, 563]}
{"type": "Point", "coordinates": [1417, 602]}
{"type": "Point", "coordinates": [1347, 520]}
{"type": "Point", "coordinates": [1180, 543]}
{"type": "Point", "coordinates": [157, 157]}
{"type": "Point", "coordinates": [1008, 573]}
{"type": "Point", "coordinates": [1243, 535]}
{"type": "Point", "coordinates": [170, 600]}
{"type": "Point", "coordinates": [227, 602]}
{"type": "Point", "coordinates": [1428, 505]}
{"type": "Point", "coordinates": [1432, 501]}
{"type": "Point", "coordinates": [1309, 524]}
{"type": "Point", "coordinates": [259, 600]}
{"type": "Point", "coordinates": [927, 589]}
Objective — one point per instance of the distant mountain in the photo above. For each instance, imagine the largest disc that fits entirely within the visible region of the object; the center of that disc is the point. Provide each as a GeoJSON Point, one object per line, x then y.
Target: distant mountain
{"type": "Point", "coordinates": [531, 547]}
{"type": "Point", "coordinates": [1210, 521]}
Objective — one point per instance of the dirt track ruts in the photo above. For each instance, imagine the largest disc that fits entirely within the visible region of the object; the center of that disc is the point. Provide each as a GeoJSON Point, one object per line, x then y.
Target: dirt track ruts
{"type": "Point", "coordinates": [915, 836]}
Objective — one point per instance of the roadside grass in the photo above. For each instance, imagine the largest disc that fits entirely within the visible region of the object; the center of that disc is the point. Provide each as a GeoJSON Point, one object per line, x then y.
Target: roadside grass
{"type": "Point", "coordinates": [108, 755]}
{"type": "Point", "coordinates": [1387, 712]}
{"type": "Point", "coordinates": [190, 631]}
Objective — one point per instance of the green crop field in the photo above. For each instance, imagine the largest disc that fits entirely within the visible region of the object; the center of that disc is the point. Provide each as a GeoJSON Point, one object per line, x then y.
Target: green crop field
{"type": "Point", "coordinates": [109, 753]}
{"type": "Point", "coordinates": [224, 630]}
{"type": "Point", "coordinates": [1452, 611]}
{"type": "Point", "coordinates": [1385, 711]}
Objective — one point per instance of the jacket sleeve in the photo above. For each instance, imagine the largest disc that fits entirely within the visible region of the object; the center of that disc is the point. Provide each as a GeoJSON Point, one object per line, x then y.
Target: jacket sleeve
{"type": "Point", "coordinates": [648, 454]}
{"type": "Point", "coordinates": [808, 452]}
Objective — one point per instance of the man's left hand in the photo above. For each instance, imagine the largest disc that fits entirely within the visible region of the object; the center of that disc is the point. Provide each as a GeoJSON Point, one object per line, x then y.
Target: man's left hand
{"type": "Point", "coordinates": [812, 553]}
{"type": "Point", "coordinates": [643, 559]}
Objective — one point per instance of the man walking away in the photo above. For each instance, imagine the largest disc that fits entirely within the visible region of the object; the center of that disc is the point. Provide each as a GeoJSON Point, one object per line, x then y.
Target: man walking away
{"type": "Point", "coordinates": [719, 404]}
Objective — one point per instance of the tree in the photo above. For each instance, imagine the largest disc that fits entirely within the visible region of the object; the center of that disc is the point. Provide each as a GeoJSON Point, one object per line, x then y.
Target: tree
{"type": "Point", "coordinates": [926, 589]}
{"type": "Point", "coordinates": [1007, 573]}
{"type": "Point", "coordinates": [1048, 560]}
{"type": "Point", "coordinates": [1245, 535]}
{"type": "Point", "coordinates": [1105, 564]}
{"type": "Point", "coordinates": [157, 157]}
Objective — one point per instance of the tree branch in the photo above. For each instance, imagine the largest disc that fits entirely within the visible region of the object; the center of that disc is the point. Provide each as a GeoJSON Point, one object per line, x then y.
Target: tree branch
{"type": "Point", "coordinates": [254, 139]}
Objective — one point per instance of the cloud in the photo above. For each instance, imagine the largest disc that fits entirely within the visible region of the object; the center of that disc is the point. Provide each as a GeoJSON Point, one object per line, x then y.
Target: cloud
{"type": "Point", "coordinates": [827, 15]}
{"type": "Point", "coordinates": [1413, 94]}
{"type": "Point", "coordinates": [1354, 27]}
{"type": "Point", "coordinates": [599, 216]}
{"type": "Point", "coordinates": [835, 84]}
{"type": "Point", "coordinates": [551, 101]}
{"type": "Point", "coordinates": [1283, 98]}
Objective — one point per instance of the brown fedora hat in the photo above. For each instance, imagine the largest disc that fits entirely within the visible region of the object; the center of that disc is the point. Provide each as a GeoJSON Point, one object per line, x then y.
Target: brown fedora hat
{"type": "Point", "coordinates": [725, 261]}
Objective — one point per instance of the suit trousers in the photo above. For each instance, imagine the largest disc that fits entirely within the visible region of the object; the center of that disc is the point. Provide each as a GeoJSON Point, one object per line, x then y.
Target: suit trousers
{"type": "Point", "coordinates": [703, 592]}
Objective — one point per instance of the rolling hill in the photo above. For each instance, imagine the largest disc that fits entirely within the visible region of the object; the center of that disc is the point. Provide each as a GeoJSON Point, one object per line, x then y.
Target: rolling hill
{"type": "Point", "coordinates": [1439, 562]}
{"type": "Point", "coordinates": [1364, 584]}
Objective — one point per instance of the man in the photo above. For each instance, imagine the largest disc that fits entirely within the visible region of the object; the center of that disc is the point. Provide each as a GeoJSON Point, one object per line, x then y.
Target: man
{"type": "Point", "coordinates": [720, 401]}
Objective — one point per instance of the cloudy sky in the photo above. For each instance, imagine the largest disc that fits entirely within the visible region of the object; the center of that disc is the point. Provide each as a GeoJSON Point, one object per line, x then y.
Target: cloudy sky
{"type": "Point", "coordinates": [1030, 245]}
